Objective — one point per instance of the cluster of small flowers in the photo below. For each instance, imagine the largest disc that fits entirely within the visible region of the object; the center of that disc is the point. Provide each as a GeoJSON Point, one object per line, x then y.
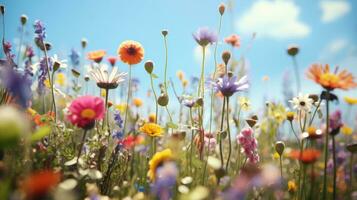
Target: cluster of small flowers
{"type": "Point", "coordinates": [39, 30]}
{"type": "Point", "coordinates": [249, 144]}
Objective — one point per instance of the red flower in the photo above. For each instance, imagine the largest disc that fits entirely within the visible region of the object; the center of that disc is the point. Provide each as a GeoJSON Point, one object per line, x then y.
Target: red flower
{"type": "Point", "coordinates": [112, 60]}
{"type": "Point", "coordinates": [40, 183]}
{"type": "Point", "coordinates": [307, 156]}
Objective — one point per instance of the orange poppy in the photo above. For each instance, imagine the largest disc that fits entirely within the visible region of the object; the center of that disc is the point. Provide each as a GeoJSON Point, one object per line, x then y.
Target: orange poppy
{"type": "Point", "coordinates": [131, 52]}
{"type": "Point", "coordinates": [328, 80]}
{"type": "Point", "coordinates": [96, 56]}
{"type": "Point", "coordinates": [307, 156]}
{"type": "Point", "coordinates": [40, 183]}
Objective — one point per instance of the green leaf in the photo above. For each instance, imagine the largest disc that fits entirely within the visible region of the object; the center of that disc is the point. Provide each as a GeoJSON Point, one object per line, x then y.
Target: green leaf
{"type": "Point", "coordinates": [172, 125]}
{"type": "Point", "coordinates": [40, 133]}
{"type": "Point", "coordinates": [154, 75]}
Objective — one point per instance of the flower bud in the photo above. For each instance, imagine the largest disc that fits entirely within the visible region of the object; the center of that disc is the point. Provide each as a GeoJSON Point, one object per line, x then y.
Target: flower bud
{"type": "Point", "coordinates": [230, 74]}
{"type": "Point", "coordinates": [279, 147]}
{"type": "Point", "coordinates": [290, 116]}
{"type": "Point", "coordinates": [314, 97]}
{"type": "Point", "coordinates": [86, 78]}
{"type": "Point", "coordinates": [75, 73]}
{"type": "Point", "coordinates": [221, 8]}
{"type": "Point", "coordinates": [23, 19]}
{"type": "Point", "coordinates": [226, 55]}
{"type": "Point", "coordinates": [293, 50]}
{"type": "Point", "coordinates": [352, 148]}
{"type": "Point", "coordinates": [199, 101]}
{"type": "Point", "coordinates": [164, 32]}
{"type": "Point", "coordinates": [56, 65]}
{"type": "Point", "coordinates": [84, 43]}
{"type": "Point", "coordinates": [163, 100]}
{"type": "Point", "coordinates": [2, 9]}
{"type": "Point", "coordinates": [149, 66]}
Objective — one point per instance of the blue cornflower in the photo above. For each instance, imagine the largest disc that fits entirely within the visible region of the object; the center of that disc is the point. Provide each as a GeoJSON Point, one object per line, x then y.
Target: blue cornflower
{"type": "Point", "coordinates": [229, 85]}
{"type": "Point", "coordinates": [118, 120]}
{"type": "Point", "coordinates": [118, 135]}
{"type": "Point", "coordinates": [40, 30]}
{"type": "Point", "coordinates": [74, 56]}
{"type": "Point", "coordinates": [205, 36]}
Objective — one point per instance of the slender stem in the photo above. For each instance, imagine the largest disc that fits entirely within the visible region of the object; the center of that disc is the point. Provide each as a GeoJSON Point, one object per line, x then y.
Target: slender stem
{"type": "Point", "coordinates": [351, 173]}
{"type": "Point", "coordinates": [166, 61]}
{"type": "Point", "coordinates": [297, 76]}
{"type": "Point", "coordinates": [292, 128]}
{"type": "Point", "coordinates": [334, 166]}
{"type": "Point", "coordinates": [153, 91]}
{"type": "Point", "coordinates": [229, 136]}
{"type": "Point", "coordinates": [220, 136]}
{"type": "Point", "coordinates": [106, 110]}
{"type": "Point", "coordinates": [192, 135]}
{"type": "Point", "coordinates": [281, 167]}
{"type": "Point", "coordinates": [20, 44]}
{"type": "Point", "coordinates": [300, 167]}
{"type": "Point", "coordinates": [201, 82]}
{"type": "Point", "coordinates": [324, 193]}
{"type": "Point", "coordinates": [3, 28]}
{"type": "Point", "coordinates": [313, 115]}
{"type": "Point", "coordinates": [127, 100]}
{"type": "Point", "coordinates": [81, 145]}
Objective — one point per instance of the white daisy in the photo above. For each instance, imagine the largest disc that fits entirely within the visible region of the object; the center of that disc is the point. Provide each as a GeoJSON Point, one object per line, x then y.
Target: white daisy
{"type": "Point", "coordinates": [302, 102]}
{"type": "Point", "coordinates": [105, 80]}
{"type": "Point", "coordinates": [63, 63]}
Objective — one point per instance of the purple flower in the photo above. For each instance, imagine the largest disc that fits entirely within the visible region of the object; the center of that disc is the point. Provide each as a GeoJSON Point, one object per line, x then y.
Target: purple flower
{"type": "Point", "coordinates": [204, 36]}
{"type": "Point", "coordinates": [29, 52]}
{"type": "Point", "coordinates": [165, 181]}
{"type": "Point", "coordinates": [40, 30]}
{"type": "Point", "coordinates": [74, 56]}
{"type": "Point", "coordinates": [118, 120]}
{"type": "Point", "coordinates": [229, 85]}
{"type": "Point", "coordinates": [336, 120]}
{"type": "Point", "coordinates": [43, 74]}
{"type": "Point", "coordinates": [248, 144]}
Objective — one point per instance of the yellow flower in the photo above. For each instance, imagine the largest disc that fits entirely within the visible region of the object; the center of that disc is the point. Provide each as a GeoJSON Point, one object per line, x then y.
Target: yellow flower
{"type": "Point", "coordinates": [152, 118]}
{"type": "Point", "coordinates": [158, 159]}
{"type": "Point", "coordinates": [47, 83]}
{"type": "Point", "coordinates": [61, 79]}
{"type": "Point", "coordinates": [151, 129]}
{"type": "Point", "coordinates": [346, 130]}
{"type": "Point", "coordinates": [184, 83]}
{"type": "Point", "coordinates": [292, 187]}
{"type": "Point", "coordinates": [277, 111]}
{"type": "Point", "coordinates": [137, 102]}
{"type": "Point", "coordinates": [31, 111]}
{"type": "Point", "coordinates": [121, 107]}
{"type": "Point", "coordinates": [244, 103]}
{"type": "Point", "coordinates": [290, 115]}
{"type": "Point", "coordinates": [180, 75]}
{"type": "Point", "coordinates": [276, 155]}
{"type": "Point", "coordinates": [350, 100]}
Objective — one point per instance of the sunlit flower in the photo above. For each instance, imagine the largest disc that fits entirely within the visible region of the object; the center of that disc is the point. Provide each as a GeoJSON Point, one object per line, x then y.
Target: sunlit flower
{"type": "Point", "coordinates": [137, 102]}
{"type": "Point", "coordinates": [350, 100]}
{"type": "Point", "coordinates": [96, 56]}
{"type": "Point", "coordinates": [312, 133]}
{"type": "Point", "coordinates": [229, 85]}
{"type": "Point", "coordinates": [84, 110]}
{"type": "Point", "coordinates": [244, 103]}
{"type": "Point", "coordinates": [331, 80]}
{"type": "Point", "coordinates": [38, 184]}
{"type": "Point", "coordinates": [121, 107]}
{"type": "Point", "coordinates": [292, 187]}
{"type": "Point", "coordinates": [152, 129]}
{"type": "Point", "coordinates": [131, 52]}
{"type": "Point", "coordinates": [346, 130]}
{"type": "Point", "coordinates": [204, 36]}
{"type": "Point", "coordinates": [158, 160]}
{"type": "Point", "coordinates": [233, 40]}
{"type": "Point", "coordinates": [105, 80]}
{"type": "Point", "coordinates": [61, 79]}
{"type": "Point", "coordinates": [307, 156]}
{"type": "Point", "coordinates": [302, 102]}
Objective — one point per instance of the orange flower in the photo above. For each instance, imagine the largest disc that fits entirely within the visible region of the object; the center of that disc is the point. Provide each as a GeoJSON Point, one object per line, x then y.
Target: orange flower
{"type": "Point", "coordinates": [233, 40]}
{"type": "Point", "coordinates": [307, 156]}
{"type": "Point", "coordinates": [41, 120]}
{"type": "Point", "coordinates": [131, 52]}
{"type": "Point", "coordinates": [112, 60]}
{"type": "Point", "coordinates": [328, 80]}
{"type": "Point", "coordinates": [96, 56]}
{"type": "Point", "coordinates": [137, 102]}
{"type": "Point", "coordinates": [40, 183]}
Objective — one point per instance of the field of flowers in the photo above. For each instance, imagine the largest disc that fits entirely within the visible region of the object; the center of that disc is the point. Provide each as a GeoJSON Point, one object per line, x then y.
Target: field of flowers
{"type": "Point", "coordinates": [64, 135]}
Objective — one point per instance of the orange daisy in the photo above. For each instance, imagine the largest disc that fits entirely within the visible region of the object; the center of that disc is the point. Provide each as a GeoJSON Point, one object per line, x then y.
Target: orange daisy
{"type": "Point", "coordinates": [96, 56]}
{"type": "Point", "coordinates": [131, 52]}
{"type": "Point", "coordinates": [328, 80]}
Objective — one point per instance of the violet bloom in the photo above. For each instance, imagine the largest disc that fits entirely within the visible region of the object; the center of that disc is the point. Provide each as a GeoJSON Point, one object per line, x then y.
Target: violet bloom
{"type": "Point", "coordinates": [118, 120]}
{"type": "Point", "coordinates": [43, 74]}
{"type": "Point", "coordinates": [229, 85]}
{"type": "Point", "coordinates": [210, 141]}
{"type": "Point", "coordinates": [204, 36]}
{"type": "Point", "coordinates": [248, 144]}
{"type": "Point", "coordinates": [165, 181]}
{"type": "Point", "coordinates": [336, 120]}
{"type": "Point", "coordinates": [74, 57]}
{"type": "Point", "coordinates": [40, 30]}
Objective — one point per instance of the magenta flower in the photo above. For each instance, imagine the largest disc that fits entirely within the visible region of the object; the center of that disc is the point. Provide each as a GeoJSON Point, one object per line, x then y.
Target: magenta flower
{"type": "Point", "coordinates": [84, 110]}
{"type": "Point", "coordinates": [248, 144]}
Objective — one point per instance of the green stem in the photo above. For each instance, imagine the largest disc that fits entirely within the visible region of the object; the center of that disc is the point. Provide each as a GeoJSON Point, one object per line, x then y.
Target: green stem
{"type": "Point", "coordinates": [229, 136]}
{"type": "Point", "coordinates": [334, 166]}
{"type": "Point", "coordinates": [351, 173]}
{"type": "Point", "coordinates": [153, 91]}
{"type": "Point", "coordinates": [296, 69]}
{"type": "Point", "coordinates": [81, 145]}
{"type": "Point", "coordinates": [281, 167]}
{"type": "Point", "coordinates": [221, 129]}
{"type": "Point", "coordinates": [127, 100]}
{"type": "Point", "coordinates": [324, 192]}
{"type": "Point", "coordinates": [313, 115]}
{"type": "Point", "coordinates": [292, 128]}
{"type": "Point", "coordinates": [192, 137]}
{"type": "Point", "coordinates": [166, 58]}
{"type": "Point", "coordinates": [300, 168]}
{"type": "Point", "coordinates": [20, 44]}
{"type": "Point", "coordinates": [106, 110]}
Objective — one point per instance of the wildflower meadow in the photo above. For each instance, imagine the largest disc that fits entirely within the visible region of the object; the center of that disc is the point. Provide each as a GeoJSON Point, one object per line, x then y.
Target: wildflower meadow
{"type": "Point", "coordinates": [97, 124]}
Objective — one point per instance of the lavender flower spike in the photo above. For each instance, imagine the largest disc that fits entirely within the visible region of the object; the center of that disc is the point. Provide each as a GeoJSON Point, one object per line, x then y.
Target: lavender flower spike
{"type": "Point", "coordinates": [229, 85]}
{"type": "Point", "coordinates": [40, 30]}
{"type": "Point", "coordinates": [204, 36]}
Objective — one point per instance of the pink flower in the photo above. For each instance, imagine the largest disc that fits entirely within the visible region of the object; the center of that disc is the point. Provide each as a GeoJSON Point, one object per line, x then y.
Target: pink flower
{"type": "Point", "coordinates": [233, 40]}
{"type": "Point", "coordinates": [248, 144]}
{"type": "Point", "coordinates": [84, 110]}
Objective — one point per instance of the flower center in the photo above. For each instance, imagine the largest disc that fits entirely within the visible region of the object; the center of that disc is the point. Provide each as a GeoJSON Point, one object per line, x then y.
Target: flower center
{"type": "Point", "coordinates": [329, 78]}
{"type": "Point", "coordinates": [131, 51]}
{"type": "Point", "coordinates": [302, 103]}
{"type": "Point", "coordinates": [88, 113]}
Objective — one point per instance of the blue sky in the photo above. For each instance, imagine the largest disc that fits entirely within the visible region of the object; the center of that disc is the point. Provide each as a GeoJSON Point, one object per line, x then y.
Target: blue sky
{"type": "Point", "coordinates": [325, 31]}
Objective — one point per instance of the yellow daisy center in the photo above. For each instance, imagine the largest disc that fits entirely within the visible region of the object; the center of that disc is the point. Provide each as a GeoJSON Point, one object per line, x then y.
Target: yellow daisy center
{"type": "Point", "coordinates": [88, 113]}
{"type": "Point", "coordinates": [329, 79]}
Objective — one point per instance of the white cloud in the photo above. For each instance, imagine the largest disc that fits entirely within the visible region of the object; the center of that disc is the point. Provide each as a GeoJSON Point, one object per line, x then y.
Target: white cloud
{"type": "Point", "coordinates": [275, 19]}
{"type": "Point", "coordinates": [332, 10]}
{"type": "Point", "coordinates": [334, 47]}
